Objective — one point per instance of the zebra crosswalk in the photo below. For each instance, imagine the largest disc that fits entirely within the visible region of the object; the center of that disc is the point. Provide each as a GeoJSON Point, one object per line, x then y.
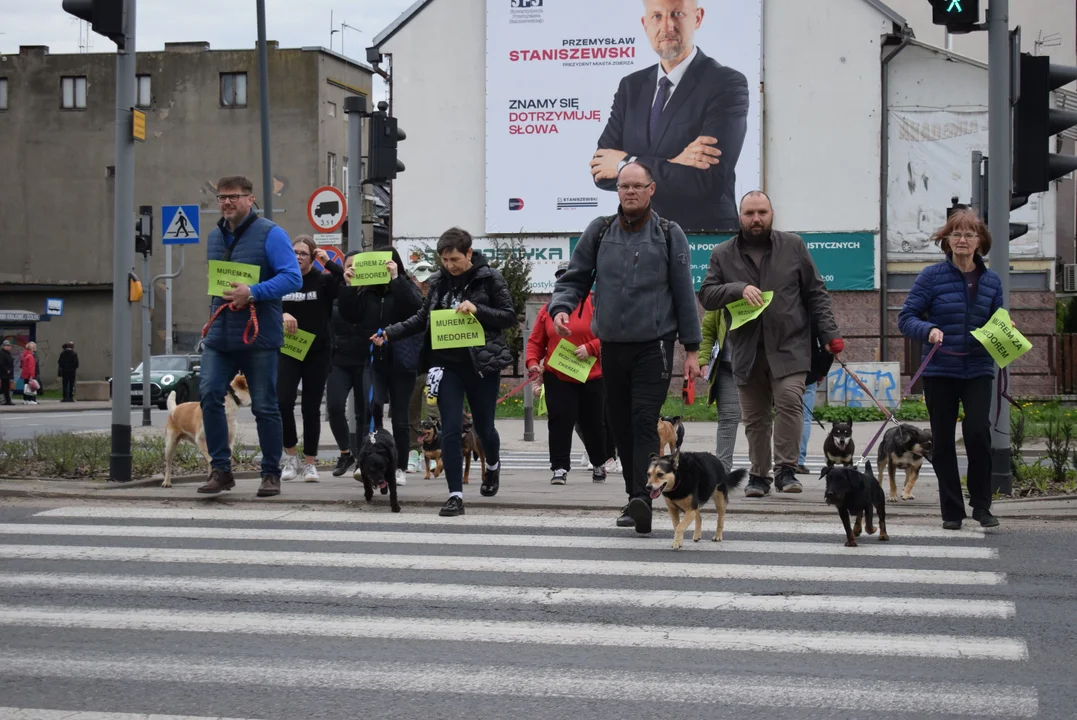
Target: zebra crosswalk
{"type": "Point", "coordinates": [124, 612]}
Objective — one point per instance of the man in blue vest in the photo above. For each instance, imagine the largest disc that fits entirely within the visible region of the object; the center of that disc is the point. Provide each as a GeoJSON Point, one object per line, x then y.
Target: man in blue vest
{"type": "Point", "coordinates": [242, 236]}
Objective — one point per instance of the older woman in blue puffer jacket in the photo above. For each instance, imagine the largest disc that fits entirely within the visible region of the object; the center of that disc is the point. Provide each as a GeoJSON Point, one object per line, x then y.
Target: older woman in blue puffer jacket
{"type": "Point", "coordinates": [949, 300]}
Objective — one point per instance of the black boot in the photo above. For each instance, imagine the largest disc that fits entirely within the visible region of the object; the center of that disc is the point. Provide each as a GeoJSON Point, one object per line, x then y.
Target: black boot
{"type": "Point", "coordinates": [785, 480]}
{"type": "Point", "coordinates": [757, 487]}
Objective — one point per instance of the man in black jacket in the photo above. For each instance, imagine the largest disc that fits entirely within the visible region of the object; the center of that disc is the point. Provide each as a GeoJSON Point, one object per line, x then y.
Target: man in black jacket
{"type": "Point", "coordinates": [7, 371]}
{"type": "Point", "coordinates": [685, 118]}
{"type": "Point", "coordinates": [68, 363]}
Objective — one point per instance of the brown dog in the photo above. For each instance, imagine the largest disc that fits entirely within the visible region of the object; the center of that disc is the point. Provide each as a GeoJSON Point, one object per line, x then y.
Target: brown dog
{"type": "Point", "coordinates": [670, 435]}
{"type": "Point", "coordinates": [185, 423]}
{"type": "Point", "coordinates": [469, 443]}
{"type": "Point", "coordinates": [430, 440]}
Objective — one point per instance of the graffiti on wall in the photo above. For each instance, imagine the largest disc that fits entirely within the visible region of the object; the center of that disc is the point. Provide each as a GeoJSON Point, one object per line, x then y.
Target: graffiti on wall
{"type": "Point", "coordinates": [882, 379]}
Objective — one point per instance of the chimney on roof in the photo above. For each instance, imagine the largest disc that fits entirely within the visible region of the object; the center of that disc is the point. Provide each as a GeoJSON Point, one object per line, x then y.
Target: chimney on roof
{"type": "Point", "coordinates": [187, 47]}
{"type": "Point", "coordinates": [270, 45]}
{"type": "Point", "coordinates": [33, 50]}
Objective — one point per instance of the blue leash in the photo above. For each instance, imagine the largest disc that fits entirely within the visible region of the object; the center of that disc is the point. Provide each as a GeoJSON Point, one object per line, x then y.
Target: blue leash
{"type": "Point", "coordinates": [370, 398]}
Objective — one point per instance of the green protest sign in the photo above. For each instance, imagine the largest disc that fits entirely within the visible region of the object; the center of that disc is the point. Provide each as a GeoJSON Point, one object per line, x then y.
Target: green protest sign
{"type": "Point", "coordinates": [450, 329]}
{"type": "Point", "coordinates": [564, 360]}
{"type": "Point", "coordinates": [1001, 339]}
{"type": "Point", "coordinates": [297, 344]}
{"type": "Point", "coordinates": [742, 312]}
{"type": "Point", "coordinates": [369, 268]}
{"type": "Point", "coordinates": [222, 274]}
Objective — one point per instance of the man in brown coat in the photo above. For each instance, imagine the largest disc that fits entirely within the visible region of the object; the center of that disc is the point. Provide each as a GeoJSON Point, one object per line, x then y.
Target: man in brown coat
{"type": "Point", "coordinates": [771, 354]}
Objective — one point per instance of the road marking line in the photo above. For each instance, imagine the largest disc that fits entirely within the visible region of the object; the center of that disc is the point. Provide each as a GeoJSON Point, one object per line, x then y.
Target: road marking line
{"type": "Point", "coordinates": [733, 524]}
{"type": "Point", "coordinates": [393, 539]}
{"type": "Point", "coordinates": [954, 647]}
{"type": "Point", "coordinates": [12, 713]}
{"type": "Point", "coordinates": [496, 595]}
{"type": "Point", "coordinates": [618, 568]}
{"type": "Point", "coordinates": [921, 698]}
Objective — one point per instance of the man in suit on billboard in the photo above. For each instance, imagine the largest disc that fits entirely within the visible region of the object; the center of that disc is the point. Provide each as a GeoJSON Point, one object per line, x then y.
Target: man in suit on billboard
{"type": "Point", "coordinates": [685, 118]}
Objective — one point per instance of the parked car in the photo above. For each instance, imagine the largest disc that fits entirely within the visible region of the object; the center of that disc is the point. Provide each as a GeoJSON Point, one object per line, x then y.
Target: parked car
{"type": "Point", "coordinates": [167, 373]}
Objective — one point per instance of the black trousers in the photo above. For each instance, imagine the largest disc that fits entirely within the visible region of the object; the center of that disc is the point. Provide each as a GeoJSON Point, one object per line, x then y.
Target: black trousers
{"type": "Point", "coordinates": [342, 379]}
{"type": "Point", "coordinates": [459, 381]}
{"type": "Point", "coordinates": [399, 385]}
{"type": "Point", "coordinates": [313, 371]}
{"type": "Point", "coordinates": [566, 403]}
{"type": "Point", "coordinates": [68, 382]}
{"type": "Point", "coordinates": [5, 390]}
{"type": "Point", "coordinates": [637, 377]}
{"type": "Point", "coordinates": [942, 395]}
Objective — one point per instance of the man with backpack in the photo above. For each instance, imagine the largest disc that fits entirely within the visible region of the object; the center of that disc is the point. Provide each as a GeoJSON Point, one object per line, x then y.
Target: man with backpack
{"type": "Point", "coordinates": [644, 302]}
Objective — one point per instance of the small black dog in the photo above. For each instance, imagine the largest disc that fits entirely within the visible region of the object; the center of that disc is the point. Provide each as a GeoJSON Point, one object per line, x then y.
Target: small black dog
{"type": "Point", "coordinates": [377, 465]}
{"type": "Point", "coordinates": [839, 446]}
{"type": "Point", "coordinates": [688, 480]}
{"type": "Point", "coordinates": [852, 491]}
{"type": "Point", "coordinates": [904, 447]}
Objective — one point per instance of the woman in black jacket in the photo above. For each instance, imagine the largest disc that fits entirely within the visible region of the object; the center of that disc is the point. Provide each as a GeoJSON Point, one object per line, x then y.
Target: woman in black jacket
{"type": "Point", "coordinates": [371, 308]}
{"type": "Point", "coordinates": [307, 309]}
{"type": "Point", "coordinates": [467, 284]}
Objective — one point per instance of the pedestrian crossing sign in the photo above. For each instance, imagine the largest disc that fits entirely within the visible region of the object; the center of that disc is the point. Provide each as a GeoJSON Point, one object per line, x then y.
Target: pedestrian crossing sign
{"type": "Point", "coordinates": [180, 223]}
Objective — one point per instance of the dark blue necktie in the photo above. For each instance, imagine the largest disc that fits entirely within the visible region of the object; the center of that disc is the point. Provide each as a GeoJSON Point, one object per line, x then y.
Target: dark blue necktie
{"type": "Point", "coordinates": [659, 103]}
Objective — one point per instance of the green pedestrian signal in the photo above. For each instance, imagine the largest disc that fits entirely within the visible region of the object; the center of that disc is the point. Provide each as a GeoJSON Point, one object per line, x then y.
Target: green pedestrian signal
{"type": "Point", "coordinates": [959, 16]}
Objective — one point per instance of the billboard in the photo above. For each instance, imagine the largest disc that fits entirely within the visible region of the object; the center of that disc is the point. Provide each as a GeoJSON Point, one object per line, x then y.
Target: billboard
{"type": "Point", "coordinates": [573, 88]}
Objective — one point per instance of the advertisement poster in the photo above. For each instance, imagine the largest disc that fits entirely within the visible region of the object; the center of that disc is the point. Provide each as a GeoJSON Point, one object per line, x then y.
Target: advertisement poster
{"type": "Point", "coordinates": [575, 88]}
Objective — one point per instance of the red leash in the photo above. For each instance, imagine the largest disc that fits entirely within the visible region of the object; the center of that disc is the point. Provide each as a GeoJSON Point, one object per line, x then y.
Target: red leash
{"type": "Point", "coordinates": [252, 322]}
{"type": "Point", "coordinates": [515, 390]}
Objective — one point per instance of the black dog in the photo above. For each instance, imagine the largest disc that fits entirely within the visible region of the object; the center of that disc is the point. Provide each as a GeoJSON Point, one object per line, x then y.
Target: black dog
{"type": "Point", "coordinates": [852, 491]}
{"type": "Point", "coordinates": [688, 480]}
{"type": "Point", "coordinates": [904, 447]}
{"type": "Point", "coordinates": [377, 466]}
{"type": "Point", "coordinates": [839, 446]}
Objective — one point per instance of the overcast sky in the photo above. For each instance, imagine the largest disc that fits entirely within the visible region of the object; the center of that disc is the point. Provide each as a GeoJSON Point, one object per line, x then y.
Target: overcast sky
{"type": "Point", "coordinates": [227, 24]}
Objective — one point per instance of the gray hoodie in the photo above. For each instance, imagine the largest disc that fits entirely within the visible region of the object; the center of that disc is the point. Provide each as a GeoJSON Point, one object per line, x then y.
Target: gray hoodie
{"type": "Point", "coordinates": [642, 291]}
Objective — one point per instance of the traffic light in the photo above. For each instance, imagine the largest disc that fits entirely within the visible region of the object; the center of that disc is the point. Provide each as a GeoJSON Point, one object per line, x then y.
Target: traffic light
{"type": "Point", "coordinates": [144, 230]}
{"type": "Point", "coordinates": [1035, 120]}
{"type": "Point", "coordinates": [959, 16]}
{"type": "Point", "coordinates": [106, 17]}
{"type": "Point", "coordinates": [384, 136]}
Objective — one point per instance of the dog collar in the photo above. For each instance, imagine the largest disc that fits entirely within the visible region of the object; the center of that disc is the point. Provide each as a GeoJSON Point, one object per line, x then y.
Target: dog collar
{"type": "Point", "coordinates": [235, 397]}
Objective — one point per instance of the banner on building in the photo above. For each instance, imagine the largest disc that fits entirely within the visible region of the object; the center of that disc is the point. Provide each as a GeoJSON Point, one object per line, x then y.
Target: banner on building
{"type": "Point", "coordinates": [572, 89]}
{"type": "Point", "coordinates": [931, 163]}
{"type": "Point", "coordinates": [544, 254]}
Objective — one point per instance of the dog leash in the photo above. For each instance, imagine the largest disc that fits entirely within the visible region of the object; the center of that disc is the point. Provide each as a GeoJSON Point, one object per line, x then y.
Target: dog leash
{"type": "Point", "coordinates": [252, 322]}
{"type": "Point", "coordinates": [515, 390]}
{"type": "Point", "coordinates": [813, 415]}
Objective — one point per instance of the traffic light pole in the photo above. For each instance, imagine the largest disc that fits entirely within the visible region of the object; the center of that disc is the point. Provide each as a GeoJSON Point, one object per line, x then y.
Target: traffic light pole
{"type": "Point", "coordinates": [263, 102]}
{"type": "Point", "coordinates": [355, 108]}
{"type": "Point", "coordinates": [123, 251]}
{"type": "Point", "coordinates": [1000, 184]}
{"type": "Point", "coordinates": [147, 331]}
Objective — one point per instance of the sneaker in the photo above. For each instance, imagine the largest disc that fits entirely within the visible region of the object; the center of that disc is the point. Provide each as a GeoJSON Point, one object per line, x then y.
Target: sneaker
{"type": "Point", "coordinates": [491, 482]}
{"type": "Point", "coordinates": [585, 461]}
{"type": "Point", "coordinates": [640, 510]}
{"type": "Point", "coordinates": [289, 469]}
{"type": "Point", "coordinates": [613, 466]}
{"type": "Point", "coordinates": [951, 525]}
{"type": "Point", "coordinates": [401, 478]}
{"type": "Point", "coordinates": [625, 520]}
{"type": "Point", "coordinates": [343, 463]}
{"type": "Point", "coordinates": [453, 506]}
{"type": "Point", "coordinates": [270, 486]}
{"type": "Point", "coordinates": [786, 480]}
{"type": "Point", "coordinates": [415, 461]}
{"type": "Point", "coordinates": [802, 469]}
{"type": "Point", "coordinates": [985, 518]}
{"type": "Point", "coordinates": [598, 475]}
{"type": "Point", "coordinates": [560, 477]}
{"type": "Point", "coordinates": [757, 487]}
{"type": "Point", "coordinates": [310, 473]}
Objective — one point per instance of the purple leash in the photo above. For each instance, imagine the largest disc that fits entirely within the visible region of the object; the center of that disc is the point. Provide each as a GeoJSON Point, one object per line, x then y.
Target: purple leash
{"type": "Point", "coordinates": [934, 349]}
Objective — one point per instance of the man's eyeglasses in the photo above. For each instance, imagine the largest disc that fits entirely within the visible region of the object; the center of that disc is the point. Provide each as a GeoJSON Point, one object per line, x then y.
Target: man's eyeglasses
{"type": "Point", "coordinates": [637, 188]}
{"type": "Point", "coordinates": [231, 198]}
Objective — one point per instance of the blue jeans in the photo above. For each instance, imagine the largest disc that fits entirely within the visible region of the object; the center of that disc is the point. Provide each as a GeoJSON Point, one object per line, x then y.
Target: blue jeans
{"type": "Point", "coordinates": [456, 382]}
{"type": "Point", "coordinates": [260, 369]}
{"type": "Point", "coordinates": [809, 405]}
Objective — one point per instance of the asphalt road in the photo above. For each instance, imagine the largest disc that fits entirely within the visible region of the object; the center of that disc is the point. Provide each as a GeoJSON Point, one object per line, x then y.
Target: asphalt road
{"type": "Point", "coordinates": [283, 613]}
{"type": "Point", "coordinates": [22, 426]}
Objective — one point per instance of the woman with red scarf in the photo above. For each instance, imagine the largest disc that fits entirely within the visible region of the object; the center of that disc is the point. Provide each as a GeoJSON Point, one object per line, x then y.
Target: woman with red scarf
{"type": "Point", "coordinates": [567, 399]}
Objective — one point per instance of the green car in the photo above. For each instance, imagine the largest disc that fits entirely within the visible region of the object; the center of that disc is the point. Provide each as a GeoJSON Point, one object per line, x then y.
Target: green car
{"type": "Point", "coordinates": [168, 373]}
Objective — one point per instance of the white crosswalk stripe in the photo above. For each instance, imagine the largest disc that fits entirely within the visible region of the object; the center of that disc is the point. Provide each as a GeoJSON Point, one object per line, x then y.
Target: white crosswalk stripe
{"type": "Point", "coordinates": [123, 593]}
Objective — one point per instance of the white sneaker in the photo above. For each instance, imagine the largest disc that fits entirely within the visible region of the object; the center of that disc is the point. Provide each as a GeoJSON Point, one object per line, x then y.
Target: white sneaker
{"type": "Point", "coordinates": [310, 473]}
{"type": "Point", "coordinates": [290, 467]}
{"type": "Point", "coordinates": [414, 461]}
{"type": "Point", "coordinates": [586, 462]}
{"type": "Point", "coordinates": [401, 478]}
{"type": "Point", "coordinates": [613, 465]}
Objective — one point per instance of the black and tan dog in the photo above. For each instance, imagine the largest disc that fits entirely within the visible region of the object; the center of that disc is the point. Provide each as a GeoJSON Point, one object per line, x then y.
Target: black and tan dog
{"type": "Point", "coordinates": [687, 480]}
{"type": "Point", "coordinates": [377, 466]}
{"type": "Point", "coordinates": [839, 446]}
{"type": "Point", "coordinates": [472, 448]}
{"type": "Point", "coordinates": [904, 447]}
{"type": "Point", "coordinates": [430, 442]}
{"type": "Point", "coordinates": [854, 492]}
{"type": "Point", "coordinates": [670, 434]}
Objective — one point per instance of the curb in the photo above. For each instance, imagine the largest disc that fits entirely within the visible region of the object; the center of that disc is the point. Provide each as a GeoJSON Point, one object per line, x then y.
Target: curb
{"type": "Point", "coordinates": [65, 408]}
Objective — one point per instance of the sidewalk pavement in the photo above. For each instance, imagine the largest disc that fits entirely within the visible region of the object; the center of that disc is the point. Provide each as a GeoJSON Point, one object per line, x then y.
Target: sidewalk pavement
{"type": "Point", "coordinates": [51, 405]}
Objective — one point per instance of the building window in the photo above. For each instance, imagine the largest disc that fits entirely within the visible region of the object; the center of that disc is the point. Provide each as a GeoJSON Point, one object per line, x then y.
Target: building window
{"type": "Point", "coordinates": [143, 94]}
{"type": "Point", "coordinates": [3, 93]}
{"type": "Point", "coordinates": [233, 89]}
{"type": "Point", "coordinates": [332, 109]}
{"type": "Point", "coordinates": [73, 93]}
{"type": "Point", "coordinates": [332, 164]}
{"type": "Point", "coordinates": [344, 175]}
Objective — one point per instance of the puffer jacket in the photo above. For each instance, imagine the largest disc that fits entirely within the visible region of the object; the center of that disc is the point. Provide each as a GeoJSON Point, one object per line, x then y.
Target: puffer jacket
{"type": "Point", "coordinates": [940, 299]}
{"type": "Point", "coordinates": [374, 307]}
{"type": "Point", "coordinates": [351, 347]}
{"type": "Point", "coordinates": [489, 293]}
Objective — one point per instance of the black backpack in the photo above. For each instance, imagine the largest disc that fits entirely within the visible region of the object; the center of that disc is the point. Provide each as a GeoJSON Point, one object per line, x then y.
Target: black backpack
{"type": "Point", "coordinates": [606, 223]}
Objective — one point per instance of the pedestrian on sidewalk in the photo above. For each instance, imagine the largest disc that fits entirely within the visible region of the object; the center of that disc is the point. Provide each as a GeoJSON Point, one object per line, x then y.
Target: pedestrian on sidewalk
{"type": "Point", "coordinates": [67, 365]}
{"type": "Point", "coordinates": [419, 409]}
{"type": "Point", "coordinates": [644, 302]}
{"type": "Point", "coordinates": [772, 353]}
{"type": "Point", "coordinates": [244, 236]}
{"type": "Point", "coordinates": [949, 300]}
{"type": "Point", "coordinates": [308, 309]}
{"type": "Point", "coordinates": [467, 284]}
{"type": "Point", "coordinates": [392, 373]}
{"type": "Point", "coordinates": [7, 372]}
{"type": "Point", "coordinates": [715, 361]}
{"type": "Point", "coordinates": [349, 360]}
{"type": "Point", "coordinates": [569, 401]}
{"type": "Point", "coordinates": [28, 373]}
